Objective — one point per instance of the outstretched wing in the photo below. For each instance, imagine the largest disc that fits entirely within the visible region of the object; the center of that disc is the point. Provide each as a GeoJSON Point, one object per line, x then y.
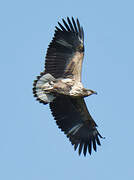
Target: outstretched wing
{"type": "Point", "coordinates": [65, 52]}
{"type": "Point", "coordinates": [73, 118]}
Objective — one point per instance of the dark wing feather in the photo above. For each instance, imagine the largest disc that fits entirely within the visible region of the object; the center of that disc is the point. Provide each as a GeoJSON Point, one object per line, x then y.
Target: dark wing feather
{"type": "Point", "coordinates": [75, 27]}
{"type": "Point", "coordinates": [73, 118]}
{"type": "Point", "coordinates": [65, 52]}
{"type": "Point", "coordinates": [70, 24]}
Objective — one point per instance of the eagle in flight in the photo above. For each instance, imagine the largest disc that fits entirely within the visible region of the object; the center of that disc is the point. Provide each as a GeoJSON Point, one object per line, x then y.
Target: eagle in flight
{"type": "Point", "coordinates": [60, 86]}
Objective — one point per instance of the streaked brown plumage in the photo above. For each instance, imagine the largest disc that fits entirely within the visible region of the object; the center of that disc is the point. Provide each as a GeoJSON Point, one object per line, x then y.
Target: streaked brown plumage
{"type": "Point", "coordinates": [60, 86]}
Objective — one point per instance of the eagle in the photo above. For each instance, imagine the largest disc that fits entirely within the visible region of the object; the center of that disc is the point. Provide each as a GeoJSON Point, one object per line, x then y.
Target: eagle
{"type": "Point", "coordinates": [60, 86]}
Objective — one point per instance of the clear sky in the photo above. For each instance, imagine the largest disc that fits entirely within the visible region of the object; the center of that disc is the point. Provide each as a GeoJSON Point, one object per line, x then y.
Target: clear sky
{"type": "Point", "coordinates": [31, 145]}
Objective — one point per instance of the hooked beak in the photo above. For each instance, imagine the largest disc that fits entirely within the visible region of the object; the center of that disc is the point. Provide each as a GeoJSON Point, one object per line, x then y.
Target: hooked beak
{"type": "Point", "coordinates": [92, 92]}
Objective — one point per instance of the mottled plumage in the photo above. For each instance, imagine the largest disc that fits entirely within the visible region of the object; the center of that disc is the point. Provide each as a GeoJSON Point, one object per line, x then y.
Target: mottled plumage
{"type": "Point", "coordinates": [60, 86]}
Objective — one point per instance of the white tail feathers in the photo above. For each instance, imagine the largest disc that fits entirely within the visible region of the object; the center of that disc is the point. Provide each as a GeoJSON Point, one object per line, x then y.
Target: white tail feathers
{"type": "Point", "coordinates": [43, 83]}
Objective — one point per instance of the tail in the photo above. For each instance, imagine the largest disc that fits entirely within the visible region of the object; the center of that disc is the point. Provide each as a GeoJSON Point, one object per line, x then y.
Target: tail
{"type": "Point", "coordinates": [42, 82]}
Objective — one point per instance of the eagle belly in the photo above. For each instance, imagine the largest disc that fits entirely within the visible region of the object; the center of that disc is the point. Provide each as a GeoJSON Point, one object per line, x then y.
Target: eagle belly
{"type": "Point", "coordinates": [68, 87]}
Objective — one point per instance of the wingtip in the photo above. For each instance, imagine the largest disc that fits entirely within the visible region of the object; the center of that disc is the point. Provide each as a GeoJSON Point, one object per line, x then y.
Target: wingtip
{"type": "Point", "coordinates": [80, 148]}
{"type": "Point", "coordinates": [87, 146]}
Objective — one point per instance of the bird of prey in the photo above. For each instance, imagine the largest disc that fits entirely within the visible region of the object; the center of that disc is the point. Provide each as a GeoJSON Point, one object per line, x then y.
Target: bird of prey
{"type": "Point", "coordinates": [60, 86]}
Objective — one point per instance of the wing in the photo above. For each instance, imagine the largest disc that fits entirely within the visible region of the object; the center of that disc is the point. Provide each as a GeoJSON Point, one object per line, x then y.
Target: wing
{"type": "Point", "coordinates": [65, 52]}
{"type": "Point", "coordinates": [73, 118]}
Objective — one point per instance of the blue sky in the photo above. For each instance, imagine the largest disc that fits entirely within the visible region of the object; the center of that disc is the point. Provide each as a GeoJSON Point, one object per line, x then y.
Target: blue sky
{"type": "Point", "coordinates": [32, 146]}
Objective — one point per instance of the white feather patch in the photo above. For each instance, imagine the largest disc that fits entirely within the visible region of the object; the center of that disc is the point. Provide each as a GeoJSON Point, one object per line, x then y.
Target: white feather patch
{"type": "Point", "coordinates": [66, 80]}
{"type": "Point", "coordinates": [74, 129]}
{"type": "Point", "coordinates": [44, 82]}
{"type": "Point", "coordinates": [64, 43]}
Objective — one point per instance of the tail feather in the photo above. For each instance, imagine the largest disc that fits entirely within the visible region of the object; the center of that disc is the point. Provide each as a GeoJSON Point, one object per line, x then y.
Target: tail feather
{"type": "Point", "coordinates": [42, 82]}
